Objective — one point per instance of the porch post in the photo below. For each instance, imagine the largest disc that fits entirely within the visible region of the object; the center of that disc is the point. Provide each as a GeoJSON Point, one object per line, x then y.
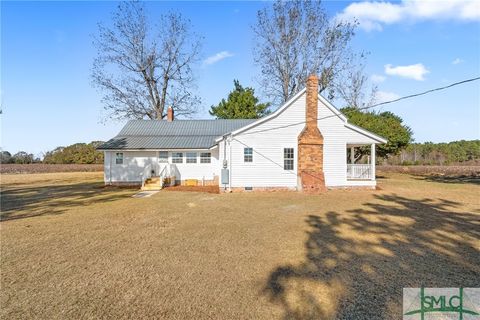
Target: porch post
{"type": "Point", "coordinates": [372, 161]}
{"type": "Point", "coordinates": [352, 155]}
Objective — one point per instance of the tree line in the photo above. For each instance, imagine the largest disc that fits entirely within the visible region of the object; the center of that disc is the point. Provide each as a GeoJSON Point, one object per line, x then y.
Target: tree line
{"type": "Point", "coordinates": [429, 153]}
{"type": "Point", "coordinates": [78, 153]}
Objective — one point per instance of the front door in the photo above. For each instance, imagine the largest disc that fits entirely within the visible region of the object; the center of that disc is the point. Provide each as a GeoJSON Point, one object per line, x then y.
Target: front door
{"type": "Point", "coordinates": [162, 160]}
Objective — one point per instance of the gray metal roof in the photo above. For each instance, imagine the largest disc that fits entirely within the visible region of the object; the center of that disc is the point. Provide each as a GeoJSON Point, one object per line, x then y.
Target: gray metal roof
{"type": "Point", "coordinates": [177, 134]}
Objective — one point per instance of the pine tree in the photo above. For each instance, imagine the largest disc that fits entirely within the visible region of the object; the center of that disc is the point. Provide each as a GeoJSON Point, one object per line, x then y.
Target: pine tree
{"type": "Point", "coordinates": [241, 104]}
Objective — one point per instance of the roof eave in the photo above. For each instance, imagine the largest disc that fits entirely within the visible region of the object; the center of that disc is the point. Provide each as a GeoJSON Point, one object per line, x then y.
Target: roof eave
{"type": "Point", "coordinates": [367, 133]}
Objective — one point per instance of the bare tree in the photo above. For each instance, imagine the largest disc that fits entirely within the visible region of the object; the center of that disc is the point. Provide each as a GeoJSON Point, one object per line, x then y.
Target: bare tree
{"type": "Point", "coordinates": [295, 39]}
{"type": "Point", "coordinates": [352, 87]}
{"type": "Point", "coordinates": [140, 69]}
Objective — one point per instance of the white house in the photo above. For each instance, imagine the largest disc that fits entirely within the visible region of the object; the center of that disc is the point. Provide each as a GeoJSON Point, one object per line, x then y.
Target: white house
{"type": "Point", "coordinates": [301, 146]}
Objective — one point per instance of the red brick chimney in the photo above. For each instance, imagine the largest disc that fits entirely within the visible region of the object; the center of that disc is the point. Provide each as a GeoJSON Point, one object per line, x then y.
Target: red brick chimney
{"type": "Point", "coordinates": [170, 114]}
{"type": "Point", "coordinates": [310, 144]}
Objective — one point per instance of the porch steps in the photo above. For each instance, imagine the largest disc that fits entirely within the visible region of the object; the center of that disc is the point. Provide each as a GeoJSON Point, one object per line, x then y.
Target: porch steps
{"type": "Point", "coordinates": [152, 184]}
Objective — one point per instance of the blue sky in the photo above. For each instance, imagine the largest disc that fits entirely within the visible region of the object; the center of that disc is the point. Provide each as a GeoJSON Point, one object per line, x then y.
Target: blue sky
{"type": "Point", "coordinates": [47, 53]}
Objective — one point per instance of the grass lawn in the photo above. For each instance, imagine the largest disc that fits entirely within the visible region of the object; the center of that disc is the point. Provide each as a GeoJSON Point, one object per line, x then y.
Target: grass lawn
{"type": "Point", "coordinates": [73, 249]}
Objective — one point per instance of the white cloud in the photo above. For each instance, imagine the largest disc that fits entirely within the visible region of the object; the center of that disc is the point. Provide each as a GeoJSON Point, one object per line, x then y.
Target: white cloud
{"type": "Point", "coordinates": [373, 15]}
{"type": "Point", "coordinates": [414, 71]}
{"type": "Point", "coordinates": [457, 61]}
{"type": "Point", "coordinates": [377, 78]}
{"type": "Point", "coordinates": [383, 96]}
{"type": "Point", "coordinates": [217, 57]}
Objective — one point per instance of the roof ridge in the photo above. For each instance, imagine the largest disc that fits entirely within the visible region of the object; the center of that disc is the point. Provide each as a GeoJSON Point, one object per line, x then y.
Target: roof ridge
{"type": "Point", "coordinates": [181, 120]}
{"type": "Point", "coordinates": [167, 135]}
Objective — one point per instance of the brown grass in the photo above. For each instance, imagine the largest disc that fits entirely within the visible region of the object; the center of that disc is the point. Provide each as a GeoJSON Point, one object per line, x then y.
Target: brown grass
{"type": "Point", "coordinates": [79, 251]}
{"type": "Point", "coordinates": [449, 171]}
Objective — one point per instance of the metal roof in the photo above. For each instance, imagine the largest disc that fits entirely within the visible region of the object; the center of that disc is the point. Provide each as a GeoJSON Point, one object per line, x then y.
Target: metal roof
{"type": "Point", "coordinates": [177, 134]}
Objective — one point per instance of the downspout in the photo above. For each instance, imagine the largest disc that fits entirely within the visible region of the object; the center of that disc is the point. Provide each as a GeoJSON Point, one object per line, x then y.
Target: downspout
{"type": "Point", "coordinates": [229, 161]}
{"type": "Point", "coordinates": [224, 161]}
{"type": "Point", "coordinates": [224, 148]}
{"type": "Point", "coordinates": [109, 167]}
{"type": "Point", "coordinates": [230, 165]}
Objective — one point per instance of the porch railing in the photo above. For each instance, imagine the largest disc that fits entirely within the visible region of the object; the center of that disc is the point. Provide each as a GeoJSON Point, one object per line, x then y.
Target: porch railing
{"type": "Point", "coordinates": [359, 171]}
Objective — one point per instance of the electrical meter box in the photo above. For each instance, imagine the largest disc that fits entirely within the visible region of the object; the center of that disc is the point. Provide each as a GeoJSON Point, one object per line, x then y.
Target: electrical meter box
{"type": "Point", "coordinates": [225, 176]}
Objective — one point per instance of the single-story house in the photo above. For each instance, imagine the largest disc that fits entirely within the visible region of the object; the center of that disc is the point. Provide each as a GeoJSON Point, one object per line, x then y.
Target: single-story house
{"type": "Point", "coordinates": [301, 146]}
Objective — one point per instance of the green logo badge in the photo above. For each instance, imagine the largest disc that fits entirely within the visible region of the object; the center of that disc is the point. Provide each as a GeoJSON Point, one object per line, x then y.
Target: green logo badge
{"type": "Point", "coordinates": [441, 303]}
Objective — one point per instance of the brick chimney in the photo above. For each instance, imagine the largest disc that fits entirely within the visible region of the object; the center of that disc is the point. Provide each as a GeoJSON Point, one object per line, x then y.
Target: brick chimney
{"type": "Point", "coordinates": [310, 144]}
{"type": "Point", "coordinates": [170, 114]}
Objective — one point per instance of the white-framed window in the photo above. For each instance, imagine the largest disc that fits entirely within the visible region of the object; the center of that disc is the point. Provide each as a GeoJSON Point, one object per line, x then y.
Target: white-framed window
{"type": "Point", "coordinates": [288, 158]}
{"type": "Point", "coordinates": [119, 158]}
{"type": "Point", "coordinates": [247, 154]}
{"type": "Point", "coordinates": [191, 157]}
{"type": "Point", "coordinates": [205, 157]}
{"type": "Point", "coordinates": [163, 156]}
{"type": "Point", "coordinates": [177, 157]}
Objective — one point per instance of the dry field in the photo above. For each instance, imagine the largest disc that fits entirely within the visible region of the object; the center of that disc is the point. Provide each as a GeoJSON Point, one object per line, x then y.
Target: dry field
{"type": "Point", "coordinates": [453, 173]}
{"type": "Point", "coordinates": [71, 249]}
{"type": "Point", "coordinates": [13, 168]}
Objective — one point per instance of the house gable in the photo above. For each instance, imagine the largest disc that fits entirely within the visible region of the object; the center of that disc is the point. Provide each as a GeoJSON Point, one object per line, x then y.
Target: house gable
{"type": "Point", "coordinates": [329, 111]}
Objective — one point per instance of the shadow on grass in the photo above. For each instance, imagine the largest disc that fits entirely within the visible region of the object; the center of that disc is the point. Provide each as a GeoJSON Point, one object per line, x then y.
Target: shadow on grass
{"type": "Point", "coordinates": [451, 179]}
{"type": "Point", "coordinates": [357, 263]}
{"type": "Point", "coordinates": [25, 202]}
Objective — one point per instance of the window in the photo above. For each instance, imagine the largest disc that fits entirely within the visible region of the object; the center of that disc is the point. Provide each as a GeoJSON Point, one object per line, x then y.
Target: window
{"type": "Point", "coordinates": [177, 157]}
{"type": "Point", "coordinates": [247, 154]}
{"type": "Point", "coordinates": [288, 159]}
{"type": "Point", "coordinates": [191, 157]}
{"type": "Point", "coordinates": [205, 157]}
{"type": "Point", "coordinates": [163, 156]}
{"type": "Point", "coordinates": [119, 158]}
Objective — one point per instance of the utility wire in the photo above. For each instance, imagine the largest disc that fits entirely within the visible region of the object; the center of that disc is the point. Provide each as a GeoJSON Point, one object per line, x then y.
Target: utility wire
{"type": "Point", "coordinates": [372, 106]}
{"type": "Point", "coordinates": [425, 92]}
{"type": "Point", "coordinates": [363, 108]}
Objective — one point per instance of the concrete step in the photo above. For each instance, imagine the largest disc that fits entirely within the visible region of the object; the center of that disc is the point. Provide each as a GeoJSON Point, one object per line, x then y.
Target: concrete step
{"type": "Point", "coordinates": [151, 188]}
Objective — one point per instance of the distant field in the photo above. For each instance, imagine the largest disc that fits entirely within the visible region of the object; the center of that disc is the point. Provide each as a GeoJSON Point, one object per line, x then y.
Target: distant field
{"type": "Point", "coordinates": [74, 249]}
{"type": "Point", "coordinates": [48, 168]}
{"type": "Point", "coordinates": [452, 170]}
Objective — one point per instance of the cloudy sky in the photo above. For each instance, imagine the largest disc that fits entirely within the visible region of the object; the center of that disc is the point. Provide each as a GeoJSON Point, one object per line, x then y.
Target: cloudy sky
{"type": "Point", "coordinates": [46, 57]}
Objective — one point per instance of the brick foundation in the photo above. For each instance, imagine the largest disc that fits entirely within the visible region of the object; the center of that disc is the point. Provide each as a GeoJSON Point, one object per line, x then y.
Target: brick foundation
{"type": "Point", "coordinates": [259, 189]}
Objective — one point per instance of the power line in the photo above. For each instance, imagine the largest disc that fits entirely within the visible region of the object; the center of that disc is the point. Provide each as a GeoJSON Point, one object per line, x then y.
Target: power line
{"type": "Point", "coordinates": [372, 106]}
{"type": "Point", "coordinates": [425, 92]}
{"type": "Point", "coordinates": [363, 108]}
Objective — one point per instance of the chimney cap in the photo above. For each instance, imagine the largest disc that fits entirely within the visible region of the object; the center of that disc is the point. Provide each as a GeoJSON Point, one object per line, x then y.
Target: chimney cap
{"type": "Point", "coordinates": [312, 76]}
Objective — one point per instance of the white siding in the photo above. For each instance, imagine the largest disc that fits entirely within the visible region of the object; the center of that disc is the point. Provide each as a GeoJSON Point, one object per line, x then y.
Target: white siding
{"type": "Point", "coordinates": [197, 170]}
{"type": "Point", "coordinates": [266, 170]}
{"type": "Point", "coordinates": [134, 163]}
{"type": "Point", "coordinates": [268, 139]}
{"type": "Point", "coordinates": [132, 168]}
